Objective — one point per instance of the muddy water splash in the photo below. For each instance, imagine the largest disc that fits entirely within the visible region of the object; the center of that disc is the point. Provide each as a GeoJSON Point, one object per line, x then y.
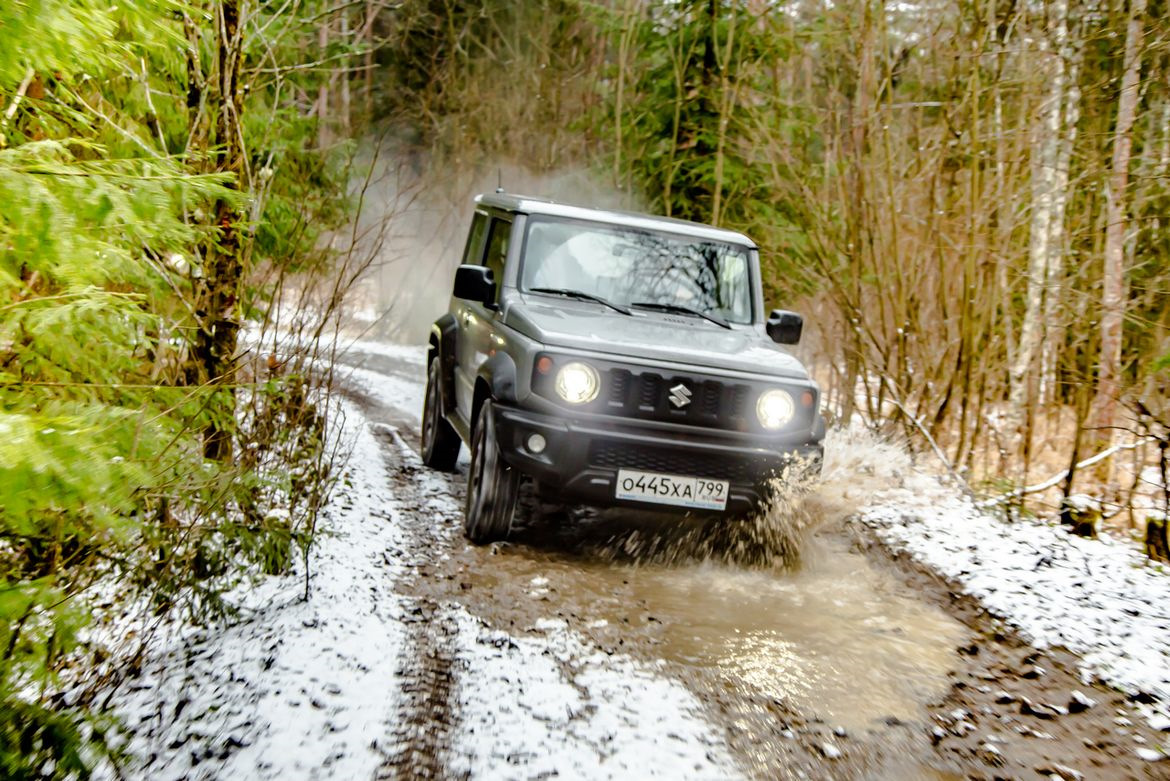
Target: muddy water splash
{"type": "Point", "coordinates": [802, 500]}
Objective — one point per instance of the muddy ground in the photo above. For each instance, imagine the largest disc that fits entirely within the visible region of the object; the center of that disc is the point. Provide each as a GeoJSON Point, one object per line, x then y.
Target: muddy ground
{"type": "Point", "coordinates": [851, 663]}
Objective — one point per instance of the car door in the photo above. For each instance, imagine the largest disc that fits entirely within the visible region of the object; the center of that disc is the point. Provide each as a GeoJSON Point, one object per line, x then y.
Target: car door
{"type": "Point", "coordinates": [475, 320]}
{"type": "Point", "coordinates": [464, 372]}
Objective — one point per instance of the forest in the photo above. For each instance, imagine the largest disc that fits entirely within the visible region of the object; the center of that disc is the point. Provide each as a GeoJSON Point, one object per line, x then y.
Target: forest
{"type": "Point", "coordinates": [967, 199]}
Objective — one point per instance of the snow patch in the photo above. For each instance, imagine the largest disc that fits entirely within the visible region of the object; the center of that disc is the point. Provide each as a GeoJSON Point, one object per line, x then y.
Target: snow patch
{"type": "Point", "coordinates": [396, 393]}
{"type": "Point", "coordinates": [537, 707]}
{"type": "Point", "coordinates": [412, 354]}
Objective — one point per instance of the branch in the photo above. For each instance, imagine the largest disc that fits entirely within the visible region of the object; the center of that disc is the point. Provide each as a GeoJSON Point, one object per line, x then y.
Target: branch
{"type": "Point", "coordinates": [938, 451]}
{"type": "Point", "coordinates": [1055, 479]}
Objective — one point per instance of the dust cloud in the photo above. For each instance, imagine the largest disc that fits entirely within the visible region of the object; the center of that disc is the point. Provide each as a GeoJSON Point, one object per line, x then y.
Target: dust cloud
{"type": "Point", "coordinates": [415, 213]}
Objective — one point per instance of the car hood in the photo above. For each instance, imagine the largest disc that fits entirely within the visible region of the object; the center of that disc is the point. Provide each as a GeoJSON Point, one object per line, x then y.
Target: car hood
{"type": "Point", "coordinates": [651, 335]}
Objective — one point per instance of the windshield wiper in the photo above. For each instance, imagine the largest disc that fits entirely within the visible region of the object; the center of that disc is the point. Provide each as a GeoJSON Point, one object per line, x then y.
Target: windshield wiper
{"type": "Point", "coordinates": [581, 295]}
{"type": "Point", "coordinates": [682, 310]}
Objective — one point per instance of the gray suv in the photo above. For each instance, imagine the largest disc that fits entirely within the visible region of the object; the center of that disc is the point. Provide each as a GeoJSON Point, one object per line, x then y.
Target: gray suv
{"type": "Point", "coordinates": [615, 359]}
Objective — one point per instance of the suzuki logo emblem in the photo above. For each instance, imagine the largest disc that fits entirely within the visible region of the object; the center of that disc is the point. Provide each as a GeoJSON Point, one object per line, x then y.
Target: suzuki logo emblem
{"type": "Point", "coordinates": [680, 395]}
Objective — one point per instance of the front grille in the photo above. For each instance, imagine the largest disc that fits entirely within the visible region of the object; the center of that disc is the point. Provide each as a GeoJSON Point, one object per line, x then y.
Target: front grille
{"type": "Point", "coordinates": [619, 386]}
{"type": "Point", "coordinates": [646, 395]}
{"type": "Point", "coordinates": [611, 455]}
{"type": "Point", "coordinates": [711, 399]}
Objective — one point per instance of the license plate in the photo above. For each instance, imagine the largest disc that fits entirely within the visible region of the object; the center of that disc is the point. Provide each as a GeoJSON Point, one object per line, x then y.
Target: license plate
{"type": "Point", "coordinates": [697, 492]}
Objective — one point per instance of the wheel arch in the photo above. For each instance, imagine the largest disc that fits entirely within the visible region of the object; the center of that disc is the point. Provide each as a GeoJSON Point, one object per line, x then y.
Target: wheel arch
{"type": "Point", "coordinates": [496, 380]}
{"type": "Point", "coordinates": [441, 344]}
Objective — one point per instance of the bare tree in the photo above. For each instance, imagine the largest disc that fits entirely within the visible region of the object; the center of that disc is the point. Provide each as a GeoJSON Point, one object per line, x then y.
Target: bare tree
{"type": "Point", "coordinates": [1113, 278]}
{"type": "Point", "coordinates": [1047, 217]}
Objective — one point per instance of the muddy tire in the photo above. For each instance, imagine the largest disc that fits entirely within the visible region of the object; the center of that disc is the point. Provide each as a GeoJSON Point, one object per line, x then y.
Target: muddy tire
{"type": "Point", "coordinates": [440, 442]}
{"type": "Point", "coordinates": [492, 486]}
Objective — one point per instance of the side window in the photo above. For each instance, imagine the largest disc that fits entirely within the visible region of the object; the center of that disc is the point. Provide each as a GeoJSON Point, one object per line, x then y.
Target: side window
{"type": "Point", "coordinates": [474, 249]}
{"type": "Point", "coordinates": [497, 249]}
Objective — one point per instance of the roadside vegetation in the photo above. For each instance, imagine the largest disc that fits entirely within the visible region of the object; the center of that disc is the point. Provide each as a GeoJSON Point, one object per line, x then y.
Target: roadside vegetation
{"type": "Point", "coordinates": [166, 185]}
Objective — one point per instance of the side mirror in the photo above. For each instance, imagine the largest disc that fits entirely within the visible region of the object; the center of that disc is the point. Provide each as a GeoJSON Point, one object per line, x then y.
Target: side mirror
{"type": "Point", "coordinates": [784, 327]}
{"type": "Point", "coordinates": [475, 283]}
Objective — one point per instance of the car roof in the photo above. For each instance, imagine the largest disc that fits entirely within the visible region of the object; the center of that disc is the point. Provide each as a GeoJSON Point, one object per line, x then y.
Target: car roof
{"type": "Point", "coordinates": [528, 205]}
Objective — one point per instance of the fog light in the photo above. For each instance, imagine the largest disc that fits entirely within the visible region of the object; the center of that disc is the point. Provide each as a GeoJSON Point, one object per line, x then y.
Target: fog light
{"type": "Point", "coordinates": [536, 444]}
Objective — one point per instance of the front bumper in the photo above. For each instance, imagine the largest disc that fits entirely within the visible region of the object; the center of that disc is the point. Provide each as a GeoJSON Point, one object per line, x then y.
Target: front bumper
{"type": "Point", "coordinates": [583, 454]}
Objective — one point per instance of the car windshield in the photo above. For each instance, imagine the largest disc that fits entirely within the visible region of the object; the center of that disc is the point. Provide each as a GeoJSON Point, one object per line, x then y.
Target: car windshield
{"type": "Point", "coordinates": [630, 267]}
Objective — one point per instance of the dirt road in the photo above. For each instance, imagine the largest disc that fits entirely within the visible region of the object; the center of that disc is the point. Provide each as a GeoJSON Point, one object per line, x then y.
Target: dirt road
{"type": "Point", "coordinates": [846, 664]}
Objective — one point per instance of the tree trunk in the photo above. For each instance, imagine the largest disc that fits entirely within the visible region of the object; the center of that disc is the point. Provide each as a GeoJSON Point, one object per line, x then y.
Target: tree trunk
{"type": "Point", "coordinates": [1054, 329]}
{"type": "Point", "coordinates": [1046, 140]}
{"type": "Point", "coordinates": [860, 108]}
{"type": "Point", "coordinates": [1113, 281]}
{"type": "Point", "coordinates": [628, 29]}
{"type": "Point", "coordinates": [344, 75]}
{"type": "Point", "coordinates": [323, 135]}
{"type": "Point", "coordinates": [213, 353]}
{"type": "Point", "coordinates": [727, 101]}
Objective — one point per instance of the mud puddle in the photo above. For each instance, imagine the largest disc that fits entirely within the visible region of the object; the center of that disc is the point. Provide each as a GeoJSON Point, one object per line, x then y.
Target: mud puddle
{"type": "Point", "coordinates": [838, 638]}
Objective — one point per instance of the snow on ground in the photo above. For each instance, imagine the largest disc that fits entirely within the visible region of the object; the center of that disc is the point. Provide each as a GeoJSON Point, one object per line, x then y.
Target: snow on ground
{"type": "Point", "coordinates": [611, 717]}
{"type": "Point", "coordinates": [296, 689]}
{"type": "Point", "coordinates": [413, 354]}
{"type": "Point", "coordinates": [402, 395]}
{"type": "Point", "coordinates": [1101, 599]}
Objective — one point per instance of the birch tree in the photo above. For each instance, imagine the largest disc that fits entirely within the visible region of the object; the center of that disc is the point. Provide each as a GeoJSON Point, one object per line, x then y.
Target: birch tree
{"type": "Point", "coordinates": [1047, 214]}
{"type": "Point", "coordinates": [1113, 274]}
{"type": "Point", "coordinates": [1071, 54]}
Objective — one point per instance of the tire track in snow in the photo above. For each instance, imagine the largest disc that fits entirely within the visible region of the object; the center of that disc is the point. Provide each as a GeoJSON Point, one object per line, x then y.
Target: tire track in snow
{"type": "Point", "coordinates": [428, 716]}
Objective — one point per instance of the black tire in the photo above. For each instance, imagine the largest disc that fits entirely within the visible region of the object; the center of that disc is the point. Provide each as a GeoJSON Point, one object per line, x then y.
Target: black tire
{"type": "Point", "coordinates": [492, 485]}
{"type": "Point", "coordinates": [440, 442]}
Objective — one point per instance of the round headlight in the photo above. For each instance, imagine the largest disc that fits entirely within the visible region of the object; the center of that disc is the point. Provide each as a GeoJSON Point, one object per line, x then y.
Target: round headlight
{"type": "Point", "coordinates": [775, 408]}
{"type": "Point", "coordinates": [577, 383]}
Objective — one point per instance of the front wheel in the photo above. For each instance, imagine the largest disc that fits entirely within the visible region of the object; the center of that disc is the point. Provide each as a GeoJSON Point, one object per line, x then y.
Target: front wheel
{"type": "Point", "coordinates": [492, 486]}
{"type": "Point", "coordinates": [440, 442]}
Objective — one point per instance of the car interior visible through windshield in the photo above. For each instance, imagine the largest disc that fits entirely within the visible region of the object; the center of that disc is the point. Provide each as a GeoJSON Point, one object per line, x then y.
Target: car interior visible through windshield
{"type": "Point", "coordinates": [632, 267]}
